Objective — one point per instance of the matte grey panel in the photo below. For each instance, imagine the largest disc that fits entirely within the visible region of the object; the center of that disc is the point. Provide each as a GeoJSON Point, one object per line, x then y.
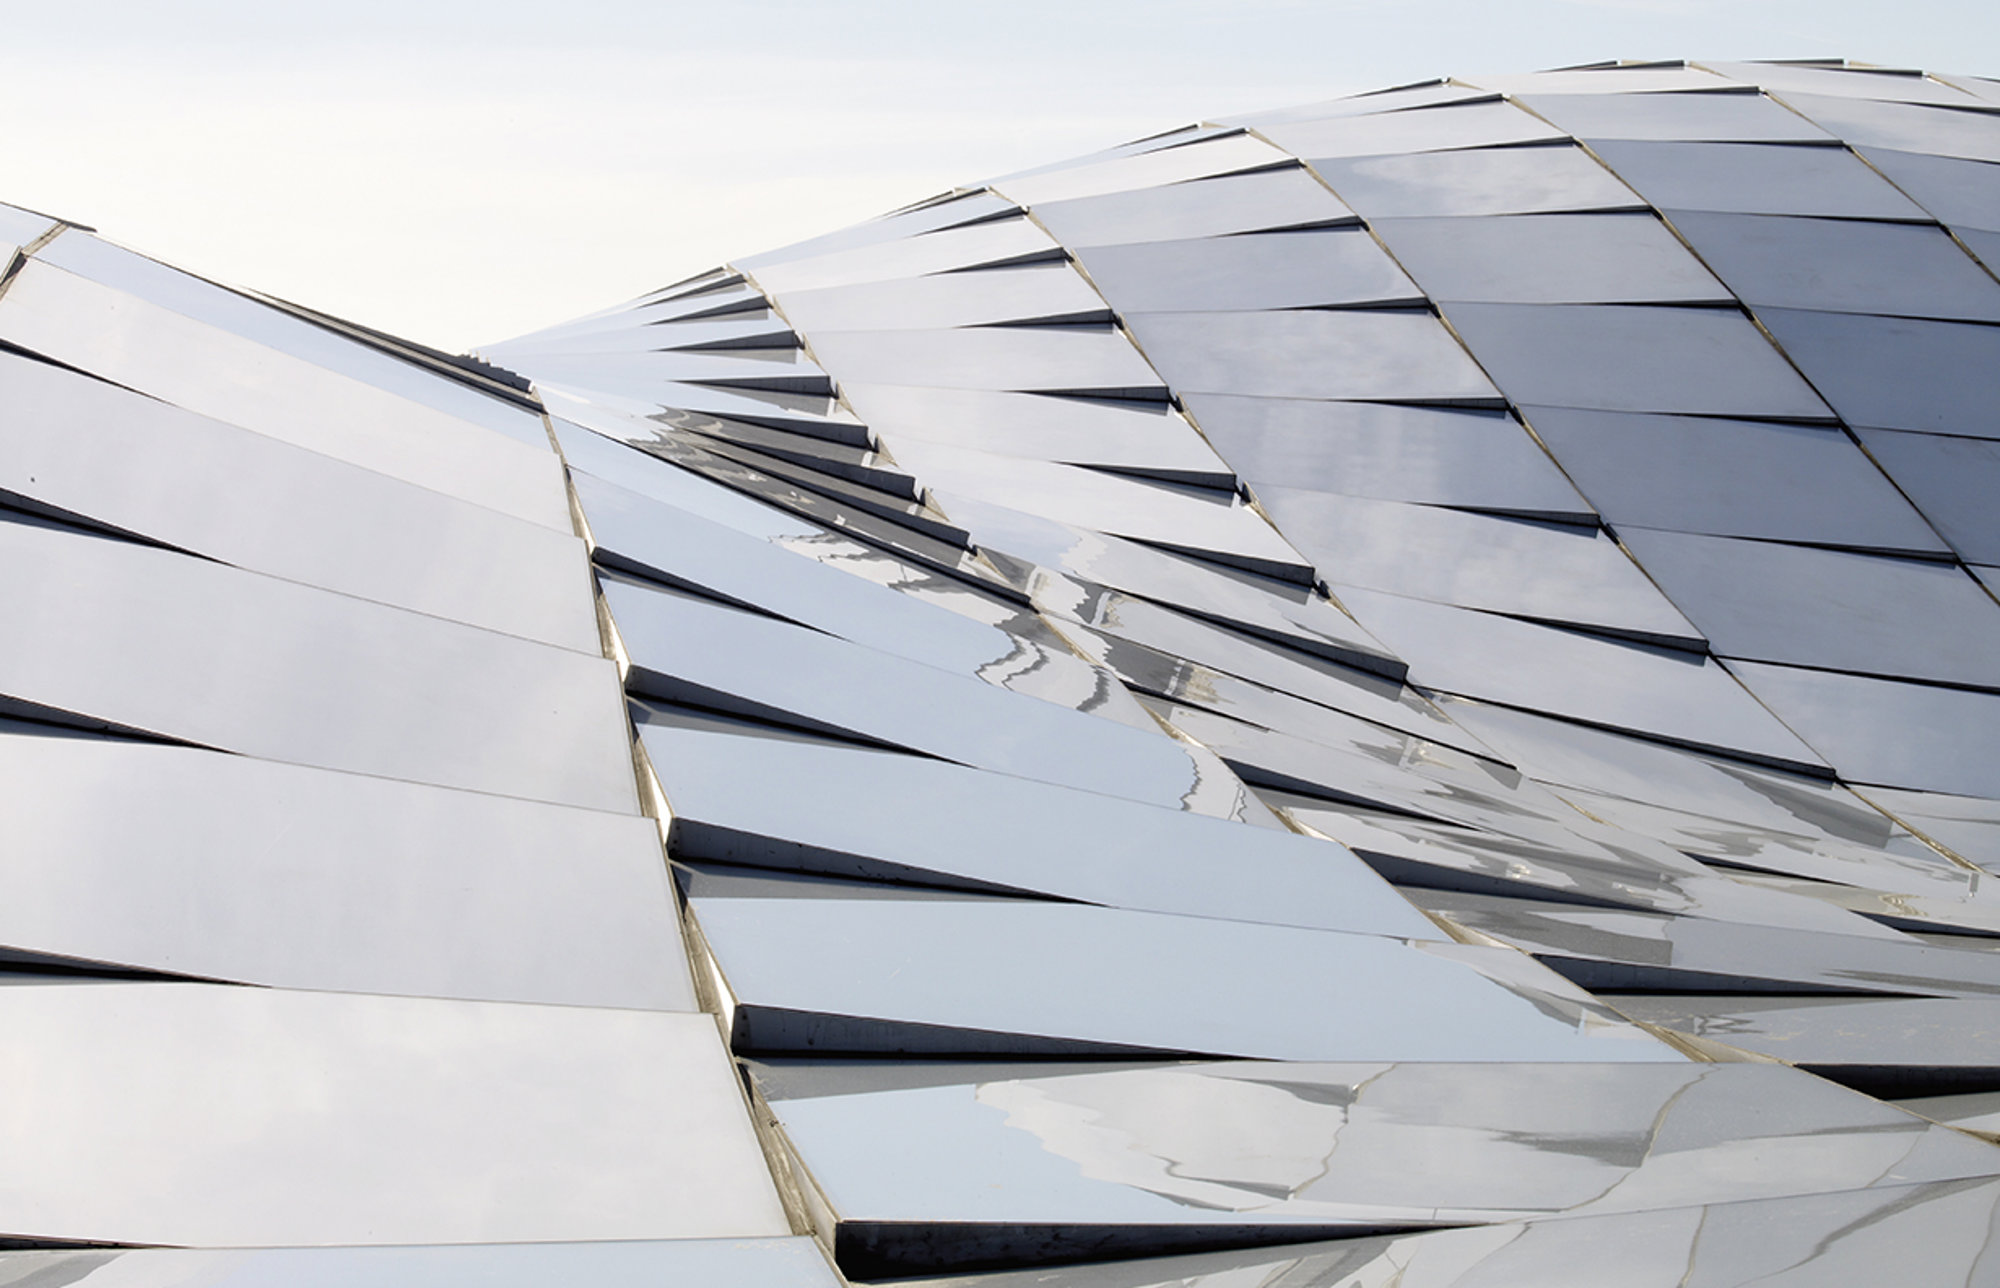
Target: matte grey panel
{"type": "Point", "coordinates": [989, 242]}
{"type": "Point", "coordinates": [1758, 179]}
{"type": "Point", "coordinates": [1138, 437]}
{"type": "Point", "coordinates": [1749, 118]}
{"type": "Point", "coordinates": [1888, 732]}
{"type": "Point", "coordinates": [1024, 358]}
{"type": "Point", "coordinates": [1732, 478]}
{"type": "Point", "coordinates": [1916, 619]}
{"type": "Point", "coordinates": [1960, 193]}
{"type": "Point", "coordinates": [1860, 1236]}
{"type": "Point", "coordinates": [752, 1263]}
{"type": "Point", "coordinates": [1974, 135]}
{"type": "Point", "coordinates": [1614, 948]}
{"type": "Point", "coordinates": [1549, 259]}
{"type": "Point", "coordinates": [215, 373]}
{"type": "Point", "coordinates": [1556, 572]}
{"type": "Point", "coordinates": [1614, 358]}
{"type": "Point", "coordinates": [686, 650]}
{"type": "Point", "coordinates": [1236, 203]}
{"type": "Point", "coordinates": [1487, 181]}
{"type": "Point", "coordinates": [1930, 1037]}
{"type": "Point", "coordinates": [1360, 1145]}
{"type": "Point", "coordinates": [1678, 696]}
{"type": "Point", "coordinates": [1897, 373]}
{"type": "Point", "coordinates": [1475, 459]}
{"type": "Point", "coordinates": [789, 805]}
{"type": "Point", "coordinates": [217, 306]}
{"type": "Point", "coordinates": [145, 467]}
{"type": "Point", "coordinates": [1248, 271]}
{"type": "Point", "coordinates": [238, 869]}
{"type": "Point", "coordinates": [202, 1114]}
{"type": "Point", "coordinates": [1365, 354]}
{"type": "Point", "coordinates": [1033, 291]}
{"type": "Point", "coordinates": [148, 639]}
{"type": "Point", "coordinates": [978, 975]}
{"type": "Point", "coordinates": [1422, 129]}
{"type": "Point", "coordinates": [1952, 480]}
{"type": "Point", "coordinates": [1844, 265]}
{"type": "Point", "coordinates": [1217, 525]}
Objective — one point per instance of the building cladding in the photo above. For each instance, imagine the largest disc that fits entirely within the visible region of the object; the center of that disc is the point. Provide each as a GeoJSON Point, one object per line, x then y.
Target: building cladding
{"type": "Point", "coordinates": [1404, 691]}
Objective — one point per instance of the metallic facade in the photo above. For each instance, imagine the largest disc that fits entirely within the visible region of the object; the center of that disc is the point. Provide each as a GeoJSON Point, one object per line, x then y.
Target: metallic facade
{"type": "Point", "coordinates": [1401, 691]}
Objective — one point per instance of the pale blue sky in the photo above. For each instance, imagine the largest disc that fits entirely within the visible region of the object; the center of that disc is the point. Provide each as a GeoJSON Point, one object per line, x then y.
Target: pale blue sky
{"type": "Point", "coordinates": [461, 172]}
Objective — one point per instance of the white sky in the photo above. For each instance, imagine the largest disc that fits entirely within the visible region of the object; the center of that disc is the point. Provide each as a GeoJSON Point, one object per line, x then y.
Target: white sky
{"type": "Point", "coordinates": [460, 171]}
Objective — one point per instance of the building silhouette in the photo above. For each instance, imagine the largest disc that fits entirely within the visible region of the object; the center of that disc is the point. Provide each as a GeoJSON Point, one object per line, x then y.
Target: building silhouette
{"type": "Point", "coordinates": [1400, 691]}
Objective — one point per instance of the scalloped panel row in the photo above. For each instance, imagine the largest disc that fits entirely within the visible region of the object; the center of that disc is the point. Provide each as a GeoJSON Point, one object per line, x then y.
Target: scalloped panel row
{"type": "Point", "coordinates": [1562, 498]}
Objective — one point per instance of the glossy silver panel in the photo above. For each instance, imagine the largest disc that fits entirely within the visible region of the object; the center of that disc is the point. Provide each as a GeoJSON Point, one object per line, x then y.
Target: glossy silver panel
{"type": "Point", "coordinates": [1910, 618]}
{"type": "Point", "coordinates": [136, 465]}
{"type": "Point", "coordinates": [634, 533]}
{"type": "Point", "coordinates": [1740, 118]}
{"type": "Point", "coordinates": [821, 809]}
{"type": "Point", "coordinates": [1855, 1236]}
{"type": "Point", "coordinates": [972, 975]}
{"type": "Point", "coordinates": [1237, 203]}
{"type": "Point", "coordinates": [1032, 292]}
{"type": "Point", "coordinates": [1054, 360]}
{"type": "Point", "coordinates": [1952, 480]}
{"type": "Point", "coordinates": [989, 242]}
{"type": "Point", "coordinates": [1549, 259]}
{"type": "Point", "coordinates": [1756, 179]}
{"type": "Point", "coordinates": [1918, 1042]}
{"type": "Point", "coordinates": [144, 638]}
{"type": "Point", "coordinates": [1970, 825]}
{"type": "Point", "coordinates": [216, 306]}
{"type": "Point", "coordinates": [237, 869]}
{"type": "Point", "coordinates": [703, 654]}
{"type": "Point", "coordinates": [1478, 460]}
{"type": "Point", "coordinates": [1548, 571]}
{"type": "Point", "coordinates": [1148, 167]}
{"type": "Point", "coordinates": [1973, 135]}
{"type": "Point", "coordinates": [1359, 1145]}
{"type": "Point", "coordinates": [1305, 354]}
{"type": "Point", "coordinates": [1888, 732]}
{"type": "Point", "coordinates": [1614, 358]}
{"type": "Point", "coordinates": [1216, 525]}
{"type": "Point", "coordinates": [1280, 270]}
{"type": "Point", "coordinates": [1843, 265]}
{"type": "Point", "coordinates": [1959, 193]}
{"type": "Point", "coordinates": [1482, 181]}
{"type": "Point", "coordinates": [770, 1262]}
{"type": "Point", "coordinates": [206, 1115]}
{"type": "Point", "coordinates": [1678, 696]}
{"type": "Point", "coordinates": [1149, 439]}
{"type": "Point", "coordinates": [1615, 948]}
{"type": "Point", "coordinates": [1734, 478]}
{"type": "Point", "coordinates": [216, 373]}
{"type": "Point", "coordinates": [1421, 129]}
